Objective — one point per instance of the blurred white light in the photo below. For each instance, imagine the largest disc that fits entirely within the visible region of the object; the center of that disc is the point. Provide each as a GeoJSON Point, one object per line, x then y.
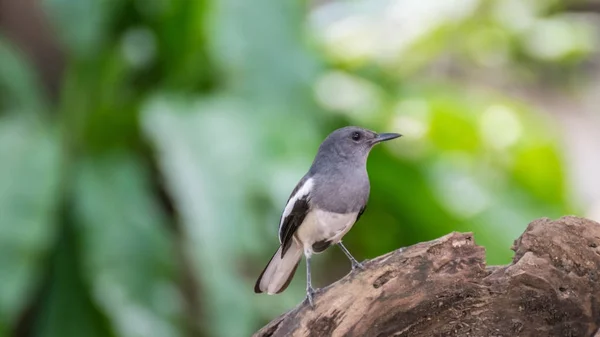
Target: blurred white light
{"type": "Point", "coordinates": [411, 127]}
{"type": "Point", "coordinates": [517, 15]}
{"type": "Point", "coordinates": [404, 22]}
{"type": "Point", "coordinates": [412, 118]}
{"type": "Point", "coordinates": [138, 47]}
{"type": "Point", "coordinates": [459, 192]}
{"type": "Point", "coordinates": [551, 39]}
{"type": "Point", "coordinates": [342, 92]}
{"type": "Point", "coordinates": [500, 127]}
{"type": "Point", "coordinates": [382, 29]}
{"type": "Point", "coordinates": [350, 39]}
{"type": "Point", "coordinates": [593, 212]}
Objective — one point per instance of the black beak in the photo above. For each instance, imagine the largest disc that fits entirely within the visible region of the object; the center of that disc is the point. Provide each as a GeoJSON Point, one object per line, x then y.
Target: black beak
{"type": "Point", "coordinates": [382, 137]}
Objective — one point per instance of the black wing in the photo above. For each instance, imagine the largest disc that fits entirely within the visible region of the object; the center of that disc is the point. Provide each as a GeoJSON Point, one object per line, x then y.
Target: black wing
{"type": "Point", "coordinates": [362, 210]}
{"type": "Point", "coordinates": [294, 219]}
{"type": "Point", "coordinates": [292, 222]}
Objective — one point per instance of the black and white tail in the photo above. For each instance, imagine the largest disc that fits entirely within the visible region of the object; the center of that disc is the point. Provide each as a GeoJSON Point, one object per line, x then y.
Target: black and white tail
{"type": "Point", "coordinates": [279, 271]}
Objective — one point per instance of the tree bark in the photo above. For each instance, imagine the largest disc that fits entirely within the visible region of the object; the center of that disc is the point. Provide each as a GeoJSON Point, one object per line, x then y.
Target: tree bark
{"type": "Point", "coordinates": [443, 288]}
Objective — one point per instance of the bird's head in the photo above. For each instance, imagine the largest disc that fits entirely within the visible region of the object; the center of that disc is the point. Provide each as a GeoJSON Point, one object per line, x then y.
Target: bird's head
{"type": "Point", "coordinates": [353, 142]}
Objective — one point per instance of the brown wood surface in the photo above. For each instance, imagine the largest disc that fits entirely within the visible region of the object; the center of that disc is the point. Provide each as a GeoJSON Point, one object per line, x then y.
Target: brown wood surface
{"type": "Point", "coordinates": [443, 288]}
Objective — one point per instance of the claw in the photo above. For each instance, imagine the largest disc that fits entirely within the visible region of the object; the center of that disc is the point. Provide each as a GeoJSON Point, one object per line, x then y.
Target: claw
{"type": "Point", "coordinates": [357, 265]}
{"type": "Point", "coordinates": [310, 293]}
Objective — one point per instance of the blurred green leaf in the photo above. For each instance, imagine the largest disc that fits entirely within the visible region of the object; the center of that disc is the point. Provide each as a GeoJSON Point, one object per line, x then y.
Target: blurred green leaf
{"type": "Point", "coordinates": [182, 36]}
{"type": "Point", "coordinates": [127, 253]}
{"type": "Point", "coordinates": [451, 127]}
{"type": "Point", "coordinates": [539, 169]}
{"type": "Point", "coordinates": [98, 96]}
{"type": "Point", "coordinates": [203, 168]}
{"type": "Point", "coordinates": [67, 309]}
{"type": "Point", "coordinates": [29, 193]}
{"type": "Point", "coordinates": [237, 130]}
{"type": "Point", "coordinates": [19, 86]}
{"type": "Point", "coordinates": [84, 26]}
{"type": "Point", "coordinates": [266, 59]}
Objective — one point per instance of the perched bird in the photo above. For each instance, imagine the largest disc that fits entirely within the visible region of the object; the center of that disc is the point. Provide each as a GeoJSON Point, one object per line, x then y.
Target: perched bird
{"type": "Point", "coordinates": [323, 207]}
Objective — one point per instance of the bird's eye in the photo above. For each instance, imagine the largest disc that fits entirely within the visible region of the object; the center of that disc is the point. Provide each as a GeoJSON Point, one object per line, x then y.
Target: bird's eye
{"type": "Point", "coordinates": [355, 136]}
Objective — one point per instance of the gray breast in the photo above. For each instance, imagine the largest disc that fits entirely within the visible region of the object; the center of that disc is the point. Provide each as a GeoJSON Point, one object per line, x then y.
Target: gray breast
{"type": "Point", "coordinates": [345, 192]}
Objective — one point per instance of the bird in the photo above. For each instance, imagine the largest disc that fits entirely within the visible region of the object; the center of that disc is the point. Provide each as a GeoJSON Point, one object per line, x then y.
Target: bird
{"type": "Point", "coordinates": [323, 207]}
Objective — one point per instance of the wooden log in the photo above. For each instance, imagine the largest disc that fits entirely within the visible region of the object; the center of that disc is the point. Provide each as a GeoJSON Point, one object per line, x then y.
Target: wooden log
{"type": "Point", "coordinates": [443, 288]}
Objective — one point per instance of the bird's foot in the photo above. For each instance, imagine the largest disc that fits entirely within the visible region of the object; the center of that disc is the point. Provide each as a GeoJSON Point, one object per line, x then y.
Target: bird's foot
{"type": "Point", "coordinates": [310, 293]}
{"type": "Point", "coordinates": [357, 265]}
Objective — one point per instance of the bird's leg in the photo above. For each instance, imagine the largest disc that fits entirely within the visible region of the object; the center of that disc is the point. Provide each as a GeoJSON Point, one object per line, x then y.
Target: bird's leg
{"type": "Point", "coordinates": [310, 292]}
{"type": "Point", "coordinates": [355, 264]}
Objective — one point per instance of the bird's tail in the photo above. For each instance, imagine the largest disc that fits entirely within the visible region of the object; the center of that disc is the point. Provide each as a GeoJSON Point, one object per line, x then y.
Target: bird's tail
{"type": "Point", "coordinates": [279, 272]}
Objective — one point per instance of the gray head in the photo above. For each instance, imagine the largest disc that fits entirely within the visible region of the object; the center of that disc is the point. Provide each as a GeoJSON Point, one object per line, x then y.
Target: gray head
{"type": "Point", "coordinates": [350, 143]}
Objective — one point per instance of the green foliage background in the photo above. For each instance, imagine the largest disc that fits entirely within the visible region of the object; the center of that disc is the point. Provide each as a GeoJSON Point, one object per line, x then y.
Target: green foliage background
{"type": "Point", "coordinates": [144, 200]}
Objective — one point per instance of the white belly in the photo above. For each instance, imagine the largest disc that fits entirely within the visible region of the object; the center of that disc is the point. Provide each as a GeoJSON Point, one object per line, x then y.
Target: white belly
{"type": "Point", "coordinates": [323, 226]}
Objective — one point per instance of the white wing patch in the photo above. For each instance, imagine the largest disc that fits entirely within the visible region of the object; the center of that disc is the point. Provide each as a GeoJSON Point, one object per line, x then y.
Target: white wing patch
{"type": "Point", "coordinates": [302, 192]}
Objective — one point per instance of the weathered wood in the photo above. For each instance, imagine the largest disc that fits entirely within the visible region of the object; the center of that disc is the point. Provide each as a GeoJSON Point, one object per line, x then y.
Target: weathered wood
{"type": "Point", "coordinates": [443, 288]}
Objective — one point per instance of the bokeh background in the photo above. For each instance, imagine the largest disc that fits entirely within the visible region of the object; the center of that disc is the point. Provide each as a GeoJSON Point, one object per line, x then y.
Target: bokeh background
{"type": "Point", "coordinates": [147, 147]}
